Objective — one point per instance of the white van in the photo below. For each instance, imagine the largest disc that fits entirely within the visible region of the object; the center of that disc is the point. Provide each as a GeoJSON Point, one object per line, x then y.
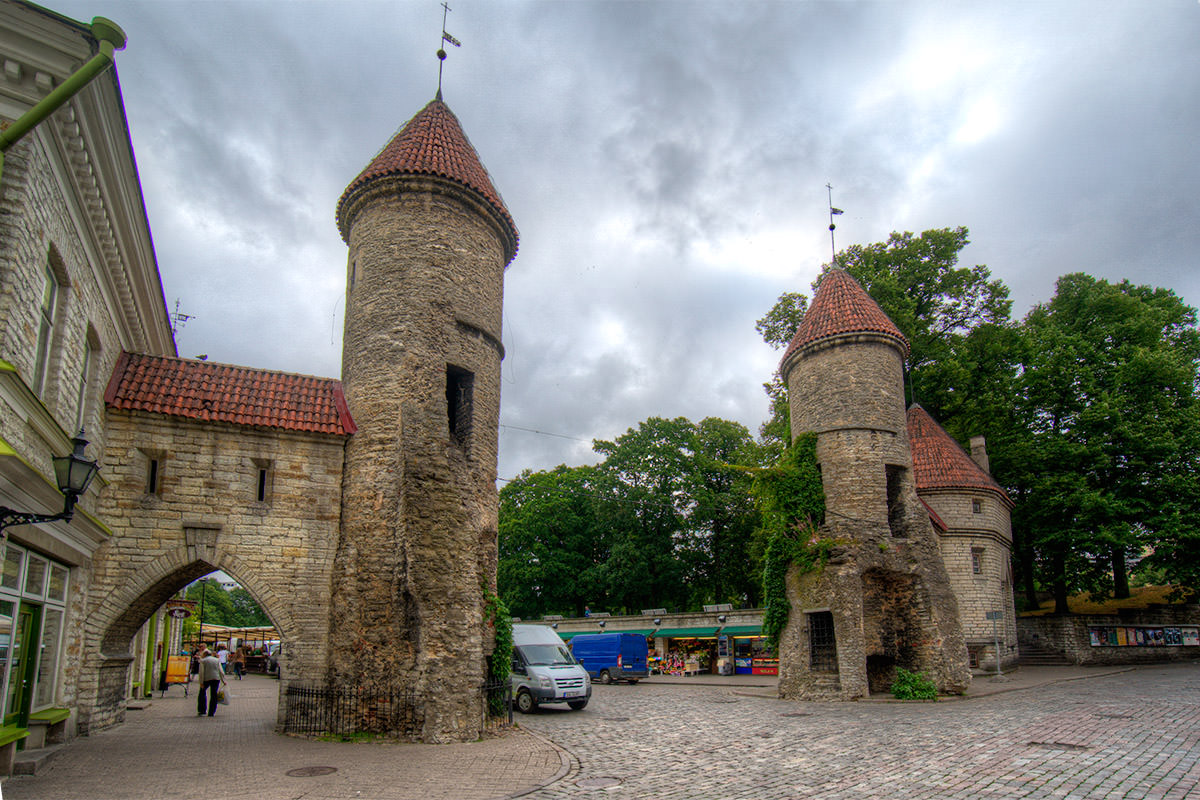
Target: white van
{"type": "Point", "coordinates": [543, 670]}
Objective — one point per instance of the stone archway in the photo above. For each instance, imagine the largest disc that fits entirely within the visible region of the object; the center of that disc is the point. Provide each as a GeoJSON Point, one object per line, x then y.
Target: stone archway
{"type": "Point", "coordinates": [110, 628]}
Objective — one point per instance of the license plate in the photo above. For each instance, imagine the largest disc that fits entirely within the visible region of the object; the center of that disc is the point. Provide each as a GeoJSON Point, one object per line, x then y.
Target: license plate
{"type": "Point", "coordinates": [573, 694]}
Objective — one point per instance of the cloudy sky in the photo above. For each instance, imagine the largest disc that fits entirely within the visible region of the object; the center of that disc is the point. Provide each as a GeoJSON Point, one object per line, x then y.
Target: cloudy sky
{"type": "Point", "coordinates": [665, 163]}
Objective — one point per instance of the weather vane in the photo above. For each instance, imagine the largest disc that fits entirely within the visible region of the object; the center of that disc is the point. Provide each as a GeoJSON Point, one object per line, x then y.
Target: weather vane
{"type": "Point", "coordinates": [832, 213]}
{"type": "Point", "coordinates": [441, 53]}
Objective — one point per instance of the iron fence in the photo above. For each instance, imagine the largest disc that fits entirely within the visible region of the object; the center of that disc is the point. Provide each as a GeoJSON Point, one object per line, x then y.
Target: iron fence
{"type": "Point", "coordinates": [372, 711]}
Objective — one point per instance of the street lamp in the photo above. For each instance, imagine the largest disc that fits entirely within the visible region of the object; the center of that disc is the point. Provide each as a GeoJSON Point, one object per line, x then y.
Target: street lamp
{"type": "Point", "coordinates": [73, 473]}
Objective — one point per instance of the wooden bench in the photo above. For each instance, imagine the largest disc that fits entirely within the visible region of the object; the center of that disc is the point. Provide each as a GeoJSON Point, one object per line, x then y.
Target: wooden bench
{"type": "Point", "coordinates": [47, 726]}
{"type": "Point", "coordinates": [10, 735]}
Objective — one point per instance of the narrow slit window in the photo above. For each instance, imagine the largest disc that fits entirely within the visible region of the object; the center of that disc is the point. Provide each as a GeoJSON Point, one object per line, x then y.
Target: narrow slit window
{"type": "Point", "coordinates": [895, 478]}
{"type": "Point", "coordinates": [264, 471]}
{"type": "Point", "coordinates": [977, 560]}
{"type": "Point", "coordinates": [460, 390]}
{"type": "Point", "coordinates": [152, 476]}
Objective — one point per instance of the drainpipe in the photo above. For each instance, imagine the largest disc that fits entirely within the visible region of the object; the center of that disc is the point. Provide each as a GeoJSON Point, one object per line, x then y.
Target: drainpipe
{"type": "Point", "coordinates": [110, 38]}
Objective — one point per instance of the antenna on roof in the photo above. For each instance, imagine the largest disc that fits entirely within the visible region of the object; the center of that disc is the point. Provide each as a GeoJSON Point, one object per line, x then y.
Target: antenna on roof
{"type": "Point", "coordinates": [178, 320]}
{"type": "Point", "coordinates": [832, 213]}
{"type": "Point", "coordinates": [441, 53]}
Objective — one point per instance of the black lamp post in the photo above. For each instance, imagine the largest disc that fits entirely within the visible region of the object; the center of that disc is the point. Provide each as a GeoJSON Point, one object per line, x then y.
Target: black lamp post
{"type": "Point", "coordinates": [73, 474]}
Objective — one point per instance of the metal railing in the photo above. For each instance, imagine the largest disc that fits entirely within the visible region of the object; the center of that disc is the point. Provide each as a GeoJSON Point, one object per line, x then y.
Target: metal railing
{"type": "Point", "coordinates": [372, 711]}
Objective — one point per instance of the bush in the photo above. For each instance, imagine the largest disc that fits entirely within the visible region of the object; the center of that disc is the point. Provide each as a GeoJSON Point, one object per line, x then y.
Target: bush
{"type": "Point", "coordinates": [913, 686]}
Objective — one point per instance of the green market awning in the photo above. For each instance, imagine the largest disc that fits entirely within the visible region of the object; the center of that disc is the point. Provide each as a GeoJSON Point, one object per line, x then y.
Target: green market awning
{"type": "Point", "coordinates": [742, 630]}
{"type": "Point", "coordinates": [686, 633]}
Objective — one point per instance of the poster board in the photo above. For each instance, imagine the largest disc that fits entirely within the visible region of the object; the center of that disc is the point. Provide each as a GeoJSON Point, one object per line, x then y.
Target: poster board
{"type": "Point", "coordinates": [177, 669]}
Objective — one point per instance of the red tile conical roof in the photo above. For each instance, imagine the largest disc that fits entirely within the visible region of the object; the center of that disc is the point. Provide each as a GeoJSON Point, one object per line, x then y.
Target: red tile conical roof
{"type": "Point", "coordinates": [431, 143]}
{"type": "Point", "coordinates": [939, 462]}
{"type": "Point", "coordinates": [841, 306]}
{"type": "Point", "coordinates": [202, 390]}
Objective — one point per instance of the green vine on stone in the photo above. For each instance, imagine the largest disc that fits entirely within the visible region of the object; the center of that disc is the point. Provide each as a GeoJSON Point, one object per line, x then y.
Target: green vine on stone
{"type": "Point", "coordinates": [792, 501]}
{"type": "Point", "coordinates": [500, 661]}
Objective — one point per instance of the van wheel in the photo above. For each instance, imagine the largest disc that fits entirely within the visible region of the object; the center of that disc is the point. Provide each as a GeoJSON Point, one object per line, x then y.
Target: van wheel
{"type": "Point", "coordinates": [525, 703]}
{"type": "Point", "coordinates": [576, 705]}
{"type": "Point", "coordinates": [604, 677]}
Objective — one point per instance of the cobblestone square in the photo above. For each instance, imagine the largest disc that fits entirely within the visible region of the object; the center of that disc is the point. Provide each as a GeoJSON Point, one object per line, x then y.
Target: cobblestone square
{"type": "Point", "coordinates": [1134, 734]}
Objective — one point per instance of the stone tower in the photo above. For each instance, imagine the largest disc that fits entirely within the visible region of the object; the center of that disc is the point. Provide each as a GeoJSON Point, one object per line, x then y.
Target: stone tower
{"type": "Point", "coordinates": [884, 599]}
{"type": "Point", "coordinates": [429, 240]}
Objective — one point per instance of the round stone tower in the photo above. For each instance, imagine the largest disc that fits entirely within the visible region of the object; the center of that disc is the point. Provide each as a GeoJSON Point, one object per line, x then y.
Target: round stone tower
{"type": "Point", "coordinates": [884, 599]}
{"type": "Point", "coordinates": [429, 239]}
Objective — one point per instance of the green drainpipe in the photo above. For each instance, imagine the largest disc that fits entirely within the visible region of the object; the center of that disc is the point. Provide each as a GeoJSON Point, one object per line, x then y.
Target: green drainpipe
{"type": "Point", "coordinates": [111, 38]}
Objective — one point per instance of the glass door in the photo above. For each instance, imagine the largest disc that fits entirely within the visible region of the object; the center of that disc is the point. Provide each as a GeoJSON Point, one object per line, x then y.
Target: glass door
{"type": "Point", "coordinates": [22, 661]}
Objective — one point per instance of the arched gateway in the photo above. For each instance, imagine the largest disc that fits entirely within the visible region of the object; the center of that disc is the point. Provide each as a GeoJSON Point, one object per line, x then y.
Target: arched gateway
{"type": "Point", "coordinates": [364, 520]}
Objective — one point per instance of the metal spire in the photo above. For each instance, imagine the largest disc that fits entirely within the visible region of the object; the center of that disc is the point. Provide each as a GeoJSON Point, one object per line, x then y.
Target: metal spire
{"type": "Point", "coordinates": [441, 53]}
{"type": "Point", "coordinates": [832, 213]}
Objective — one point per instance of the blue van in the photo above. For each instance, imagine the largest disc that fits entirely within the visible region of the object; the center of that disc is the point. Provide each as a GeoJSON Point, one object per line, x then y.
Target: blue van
{"type": "Point", "coordinates": [609, 657]}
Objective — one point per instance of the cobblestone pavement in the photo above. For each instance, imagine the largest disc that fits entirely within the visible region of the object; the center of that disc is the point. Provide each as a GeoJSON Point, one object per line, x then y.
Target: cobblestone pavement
{"type": "Point", "coordinates": [1132, 735]}
{"type": "Point", "coordinates": [166, 751]}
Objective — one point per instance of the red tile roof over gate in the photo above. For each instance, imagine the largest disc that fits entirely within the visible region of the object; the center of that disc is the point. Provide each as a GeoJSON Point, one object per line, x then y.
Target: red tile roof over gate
{"type": "Point", "coordinates": [431, 143]}
{"type": "Point", "coordinates": [841, 306]}
{"type": "Point", "coordinates": [209, 392]}
{"type": "Point", "coordinates": [939, 462]}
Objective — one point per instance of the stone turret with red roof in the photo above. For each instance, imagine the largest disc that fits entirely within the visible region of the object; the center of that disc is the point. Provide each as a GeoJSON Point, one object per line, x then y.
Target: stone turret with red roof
{"type": "Point", "coordinates": [884, 600]}
{"type": "Point", "coordinates": [429, 240]}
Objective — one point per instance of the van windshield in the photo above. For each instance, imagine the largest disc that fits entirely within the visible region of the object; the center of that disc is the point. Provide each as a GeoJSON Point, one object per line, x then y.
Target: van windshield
{"type": "Point", "coordinates": [545, 655]}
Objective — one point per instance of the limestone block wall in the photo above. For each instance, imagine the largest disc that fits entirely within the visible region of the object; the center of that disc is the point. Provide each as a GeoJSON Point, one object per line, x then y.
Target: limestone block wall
{"type": "Point", "coordinates": [1068, 634]}
{"type": "Point", "coordinates": [204, 516]}
{"type": "Point", "coordinates": [984, 535]}
{"type": "Point", "coordinates": [418, 544]}
{"type": "Point", "coordinates": [36, 229]}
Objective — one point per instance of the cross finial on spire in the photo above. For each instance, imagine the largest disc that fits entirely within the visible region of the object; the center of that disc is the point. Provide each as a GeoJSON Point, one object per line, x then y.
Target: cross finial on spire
{"type": "Point", "coordinates": [441, 53]}
{"type": "Point", "coordinates": [832, 212]}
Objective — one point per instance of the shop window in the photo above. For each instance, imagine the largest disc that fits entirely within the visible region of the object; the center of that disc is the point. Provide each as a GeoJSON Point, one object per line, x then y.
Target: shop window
{"type": "Point", "coordinates": [460, 389]}
{"type": "Point", "coordinates": [822, 643]}
{"type": "Point", "coordinates": [977, 506]}
{"type": "Point", "coordinates": [895, 481]}
{"type": "Point", "coordinates": [52, 624]}
{"type": "Point", "coordinates": [57, 589]}
{"type": "Point", "coordinates": [977, 560]}
{"type": "Point", "coordinates": [35, 576]}
{"type": "Point", "coordinates": [14, 559]}
{"type": "Point", "coordinates": [264, 475]}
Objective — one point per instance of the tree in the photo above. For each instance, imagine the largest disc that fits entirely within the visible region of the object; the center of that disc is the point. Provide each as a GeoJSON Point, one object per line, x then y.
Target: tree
{"type": "Point", "coordinates": [553, 543]}
{"type": "Point", "coordinates": [1108, 394]}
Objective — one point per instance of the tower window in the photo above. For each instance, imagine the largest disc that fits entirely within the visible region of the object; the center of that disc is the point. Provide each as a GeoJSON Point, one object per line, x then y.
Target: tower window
{"type": "Point", "coordinates": [977, 560]}
{"type": "Point", "coordinates": [460, 390]}
{"type": "Point", "coordinates": [895, 478]}
{"type": "Point", "coordinates": [821, 642]}
{"type": "Point", "coordinates": [977, 506]}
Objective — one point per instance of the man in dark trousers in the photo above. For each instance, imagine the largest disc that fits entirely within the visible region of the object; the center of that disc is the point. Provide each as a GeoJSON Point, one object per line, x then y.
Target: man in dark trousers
{"type": "Point", "coordinates": [212, 677]}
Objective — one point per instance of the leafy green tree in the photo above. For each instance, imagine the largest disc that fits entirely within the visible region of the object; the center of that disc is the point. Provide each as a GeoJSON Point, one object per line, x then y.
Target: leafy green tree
{"type": "Point", "coordinates": [1108, 394]}
{"type": "Point", "coordinates": [553, 541]}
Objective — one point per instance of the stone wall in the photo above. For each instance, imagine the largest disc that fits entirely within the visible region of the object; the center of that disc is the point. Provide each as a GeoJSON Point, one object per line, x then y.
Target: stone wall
{"type": "Point", "coordinates": [418, 541]}
{"type": "Point", "coordinates": [205, 516]}
{"type": "Point", "coordinates": [987, 531]}
{"type": "Point", "coordinates": [1068, 635]}
{"type": "Point", "coordinates": [885, 585]}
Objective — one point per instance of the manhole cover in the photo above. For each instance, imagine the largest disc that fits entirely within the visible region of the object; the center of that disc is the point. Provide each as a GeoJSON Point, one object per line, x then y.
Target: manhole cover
{"type": "Point", "coordinates": [309, 772]}
{"type": "Point", "coordinates": [617, 719]}
{"type": "Point", "coordinates": [1057, 746]}
{"type": "Point", "coordinates": [797, 714]}
{"type": "Point", "coordinates": [598, 783]}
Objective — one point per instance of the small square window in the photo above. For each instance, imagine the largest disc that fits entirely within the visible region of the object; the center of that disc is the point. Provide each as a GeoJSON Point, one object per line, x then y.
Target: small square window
{"type": "Point", "coordinates": [977, 506]}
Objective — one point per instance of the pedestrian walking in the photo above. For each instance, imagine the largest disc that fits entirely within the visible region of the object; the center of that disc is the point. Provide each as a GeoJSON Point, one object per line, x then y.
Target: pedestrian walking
{"type": "Point", "coordinates": [238, 659]}
{"type": "Point", "coordinates": [223, 657]}
{"type": "Point", "coordinates": [211, 679]}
